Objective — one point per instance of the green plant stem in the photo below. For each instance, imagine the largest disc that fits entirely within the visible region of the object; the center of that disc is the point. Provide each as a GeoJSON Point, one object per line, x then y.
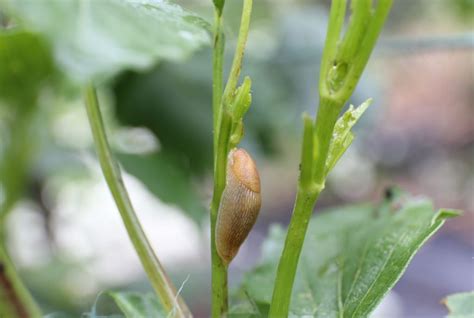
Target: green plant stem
{"type": "Point", "coordinates": [306, 198]}
{"type": "Point", "coordinates": [222, 128]}
{"type": "Point", "coordinates": [336, 22]}
{"type": "Point", "coordinates": [219, 269]}
{"type": "Point", "coordinates": [217, 76]}
{"type": "Point", "coordinates": [15, 299]}
{"type": "Point", "coordinates": [328, 112]}
{"type": "Point", "coordinates": [239, 50]}
{"type": "Point", "coordinates": [156, 273]}
{"type": "Point", "coordinates": [341, 67]}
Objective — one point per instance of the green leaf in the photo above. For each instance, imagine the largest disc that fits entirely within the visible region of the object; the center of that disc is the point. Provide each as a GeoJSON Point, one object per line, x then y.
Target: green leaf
{"type": "Point", "coordinates": [219, 4]}
{"type": "Point", "coordinates": [136, 305]}
{"type": "Point", "coordinates": [241, 100]}
{"type": "Point", "coordinates": [351, 258]}
{"type": "Point", "coordinates": [97, 39]}
{"type": "Point", "coordinates": [239, 105]}
{"type": "Point", "coordinates": [166, 178]}
{"type": "Point", "coordinates": [342, 136]}
{"type": "Point", "coordinates": [460, 305]}
{"type": "Point", "coordinates": [23, 74]}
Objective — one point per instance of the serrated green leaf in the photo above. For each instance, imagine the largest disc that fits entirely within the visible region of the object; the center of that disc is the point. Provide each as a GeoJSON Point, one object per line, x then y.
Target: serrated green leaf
{"type": "Point", "coordinates": [136, 305]}
{"type": "Point", "coordinates": [460, 305]}
{"type": "Point", "coordinates": [342, 136]}
{"type": "Point", "coordinates": [351, 258]}
{"type": "Point", "coordinates": [23, 74]}
{"type": "Point", "coordinates": [166, 178]}
{"type": "Point", "coordinates": [97, 39]}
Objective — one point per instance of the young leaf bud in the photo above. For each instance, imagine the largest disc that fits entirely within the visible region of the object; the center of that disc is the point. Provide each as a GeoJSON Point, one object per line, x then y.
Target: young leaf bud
{"type": "Point", "coordinates": [240, 204]}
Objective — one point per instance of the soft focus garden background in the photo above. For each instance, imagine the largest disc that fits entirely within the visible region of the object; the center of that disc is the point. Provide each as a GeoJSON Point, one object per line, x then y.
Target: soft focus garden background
{"type": "Point", "coordinates": [66, 235]}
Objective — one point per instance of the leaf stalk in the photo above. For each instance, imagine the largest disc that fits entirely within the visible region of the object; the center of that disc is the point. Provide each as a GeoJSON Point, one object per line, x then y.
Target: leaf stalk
{"type": "Point", "coordinates": [164, 288]}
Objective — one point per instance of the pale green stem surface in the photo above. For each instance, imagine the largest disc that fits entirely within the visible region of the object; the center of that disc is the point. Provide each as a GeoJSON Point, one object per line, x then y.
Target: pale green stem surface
{"type": "Point", "coordinates": [162, 285]}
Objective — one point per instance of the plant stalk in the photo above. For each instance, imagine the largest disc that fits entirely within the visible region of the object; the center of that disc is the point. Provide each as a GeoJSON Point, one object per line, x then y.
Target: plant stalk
{"type": "Point", "coordinates": [304, 204]}
{"type": "Point", "coordinates": [306, 198]}
{"type": "Point", "coordinates": [15, 299]}
{"type": "Point", "coordinates": [217, 76]}
{"type": "Point", "coordinates": [222, 127]}
{"type": "Point", "coordinates": [219, 269]}
{"type": "Point", "coordinates": [239, 50]}
{"type": "Point", "coordinates": [164, 288]}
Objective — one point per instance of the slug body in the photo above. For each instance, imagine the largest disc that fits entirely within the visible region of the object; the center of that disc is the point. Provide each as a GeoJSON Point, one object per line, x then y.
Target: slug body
{"type": "Point", "coordinates": [240, 204]}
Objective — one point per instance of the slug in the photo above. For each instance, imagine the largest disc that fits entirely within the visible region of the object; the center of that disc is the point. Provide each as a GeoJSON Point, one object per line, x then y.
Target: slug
{"type": "Point", "coordinates": [240, 204]}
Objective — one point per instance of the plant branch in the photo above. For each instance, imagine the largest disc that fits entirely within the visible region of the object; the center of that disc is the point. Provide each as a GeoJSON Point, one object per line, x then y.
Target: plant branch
{"type": "Point", "coordinates": [222, 131]}
{"type": "Point", "coordinates": [336, 22]}
{"type": "Point", "coordinates": [310, 185]}
{"type": "Point", "coordinates": [239, 51]}
{"type": "Point", "coordinates": [217, 65]}
{"type": "Point", "coordinates": [15, 301]}
{"type": "Point", "coordinates": [159, 280]}
{"type": "Point", "coordinates": [288, 264]}
{"type": "Point", "coordinates": [341, 66]}
{"type": "Point", "coordinates": [219, 269]}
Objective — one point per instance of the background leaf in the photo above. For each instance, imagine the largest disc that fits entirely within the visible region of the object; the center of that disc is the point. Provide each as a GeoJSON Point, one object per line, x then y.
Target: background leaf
{"type": "Point", "coordinates": [351, 258]}
{"type": "Point", "coordinates": [165, 177]}
{"type": "Point", "coordinates": [23, 74]}
{"type": "Point", "coordinates": [460, 305]}
{"type": "Point", "coordinates": [97, 39]}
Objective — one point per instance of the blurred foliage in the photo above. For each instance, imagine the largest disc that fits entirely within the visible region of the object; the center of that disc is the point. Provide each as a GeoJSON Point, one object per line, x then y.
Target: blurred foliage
{"type": "Point", "coordinates": [91, 40]}
{"type": "Point", "coordinates": [23, 74]}
{"type": "Point", "coordinates": [172, 99]}
{"type": "Point", "coordinates": [167, 179]}
{"type": "Point", "coordinates": [351, 258]}
{"type": "Point", "coordinates": [460, 305]}
{"type": "Point", "coordinates": [464, 8]}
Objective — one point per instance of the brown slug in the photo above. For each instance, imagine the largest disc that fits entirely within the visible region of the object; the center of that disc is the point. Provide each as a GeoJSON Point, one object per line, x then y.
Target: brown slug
{"type": "Point", "coordinates": [240, 204]}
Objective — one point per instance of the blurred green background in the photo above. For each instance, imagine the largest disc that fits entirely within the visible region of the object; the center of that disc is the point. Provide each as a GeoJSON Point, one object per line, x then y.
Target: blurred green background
{"type": "Point", "coordinates": [62, 227]}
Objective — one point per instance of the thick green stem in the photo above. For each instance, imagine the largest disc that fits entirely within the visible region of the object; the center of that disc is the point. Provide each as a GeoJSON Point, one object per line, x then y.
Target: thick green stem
{"type": "Point", "coordinates": [163, 286]}
{"type": "Point", "coordinates": [305, 200]}
{"type": "Point", "coordinates": [15, 299]}
{"type": "Point", "coordinates": [328, 112]}
{"type": "Point", "coordinates": [341, 67]}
